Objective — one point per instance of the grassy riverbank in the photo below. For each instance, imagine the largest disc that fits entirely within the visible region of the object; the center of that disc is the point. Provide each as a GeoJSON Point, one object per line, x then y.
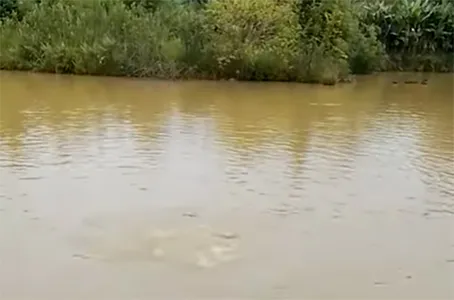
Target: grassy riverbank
{"type": "Point", "coordinates": [293, 40]}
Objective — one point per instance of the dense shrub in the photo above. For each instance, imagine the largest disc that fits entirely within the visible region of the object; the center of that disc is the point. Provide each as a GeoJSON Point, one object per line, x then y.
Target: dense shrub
{"type": "Point", "coordinates": [150, 5]}
{"type": "Point", "coordinates": [334, 27]}
{"type": "Point", "coordinates": [93, 37]}
{"type": "Point", "coordinates": [302, 40]}
{"type": "Point", "coordinates": [251, 39]}
{"type": "Point", "coordinates": [8, 8]}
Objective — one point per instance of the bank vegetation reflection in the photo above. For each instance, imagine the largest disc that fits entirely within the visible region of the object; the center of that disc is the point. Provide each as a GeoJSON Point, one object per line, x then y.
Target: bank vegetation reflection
{"type": "Point", "coordinates": [291, 127]}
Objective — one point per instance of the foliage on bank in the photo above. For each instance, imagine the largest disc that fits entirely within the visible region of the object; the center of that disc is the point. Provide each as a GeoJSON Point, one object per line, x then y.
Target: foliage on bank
{"type": "Point", "coordinates": [418, 34]}
{"type": "Point", "coordinates": [291, 40]}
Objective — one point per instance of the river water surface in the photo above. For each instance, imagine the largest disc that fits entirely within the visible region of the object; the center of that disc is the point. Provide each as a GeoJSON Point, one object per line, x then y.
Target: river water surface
{"type": "Point", "coordinates": [135, 189]}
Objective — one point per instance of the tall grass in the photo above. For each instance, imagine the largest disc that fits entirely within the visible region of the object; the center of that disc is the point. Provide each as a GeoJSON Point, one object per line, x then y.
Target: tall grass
{"type": "Point", "coordinates": [417, 34]}
{"type": "Point", "coordinates": [92, 37]}
{"type": "Point", "coordinates": [292, 40]}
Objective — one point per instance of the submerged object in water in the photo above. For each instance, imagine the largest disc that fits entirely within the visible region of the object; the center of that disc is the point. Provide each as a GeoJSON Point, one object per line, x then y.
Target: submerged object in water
{"type": "Point", "coordinates": [424, 81]}
{"type": "Point", "coordinates": [411, 82]}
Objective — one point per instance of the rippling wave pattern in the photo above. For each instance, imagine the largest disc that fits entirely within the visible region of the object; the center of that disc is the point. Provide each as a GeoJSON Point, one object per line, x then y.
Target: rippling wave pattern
{"type": "Point", "coordinates": [204, 140]}
{"type": "Point", "coordinates": [75, 148]}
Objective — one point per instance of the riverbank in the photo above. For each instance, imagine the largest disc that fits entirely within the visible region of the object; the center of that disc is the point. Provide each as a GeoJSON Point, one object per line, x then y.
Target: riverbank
{"type": "Point", "coordinates": [293, 40]}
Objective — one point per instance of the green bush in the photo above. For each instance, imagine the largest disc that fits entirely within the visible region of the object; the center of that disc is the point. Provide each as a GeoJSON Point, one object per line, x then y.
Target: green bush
{"type": "Point", "coordinates": [96, 37]}
{"type": "Point", "coordinates": [333, 29]}
{"type": "Point", "coordinates": [251, 39]}
{"type": "Point", "coordinates": [298, 40]}
{"type": "Point", "coordinates": [150, 5]}
{"type": "Point", "coordinates": [8, 8]}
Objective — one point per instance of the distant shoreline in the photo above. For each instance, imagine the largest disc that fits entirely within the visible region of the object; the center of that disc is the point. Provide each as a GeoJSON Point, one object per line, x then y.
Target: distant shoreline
{"type": "Point", "coordinates": [326, 42]}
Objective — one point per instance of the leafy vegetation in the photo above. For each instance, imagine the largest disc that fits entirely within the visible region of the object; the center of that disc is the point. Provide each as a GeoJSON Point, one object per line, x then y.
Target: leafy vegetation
{"type": "Point", "coordinates": [291, 40]}
{"type": "Point", "coordinates": [417, 34]}
{"type": "Point", "coordinates": [8, 8]}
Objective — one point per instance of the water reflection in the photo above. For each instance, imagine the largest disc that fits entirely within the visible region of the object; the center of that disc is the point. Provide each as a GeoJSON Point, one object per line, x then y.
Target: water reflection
{"type": "Point", "coordinates": [365, 163]}
{"type": "Point", "coordinates": [321, 133]}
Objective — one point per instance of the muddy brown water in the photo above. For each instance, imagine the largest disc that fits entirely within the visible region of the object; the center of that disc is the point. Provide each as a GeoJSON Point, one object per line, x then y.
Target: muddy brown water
{"type": "Point", "coordinates": [136, 189]}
